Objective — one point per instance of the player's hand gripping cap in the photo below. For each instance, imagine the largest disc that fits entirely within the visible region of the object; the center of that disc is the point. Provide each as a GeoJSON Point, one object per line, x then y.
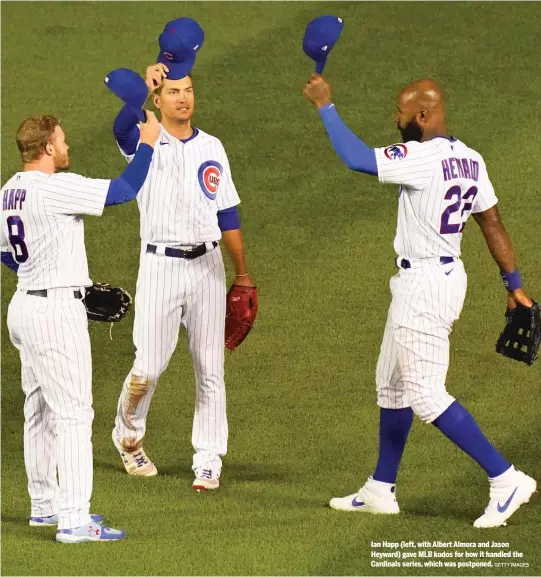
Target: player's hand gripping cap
{"type": "Point", "coordinates": [240, 314]}
{"type": "Point", "coordinates": [129, 87]}
{"type": "Point", "coordinates": [521, 336]}
{"type": "Point", "coordinates": [179, 43]}
{"type": "Point", "coordinates": [320, 37]}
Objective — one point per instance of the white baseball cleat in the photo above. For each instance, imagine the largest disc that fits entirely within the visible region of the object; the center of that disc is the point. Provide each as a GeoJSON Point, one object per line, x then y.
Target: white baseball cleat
{"type": "Point", "coordinates": [206, 480]}
{"type": "Point", "coordinates": [373, 497]}
{"type": "Point", "coordinates": [87, 533]}
{"type": "Point", "coordinates": [507, 493]}
{"type": "Point", "coordinates": [136, 463]}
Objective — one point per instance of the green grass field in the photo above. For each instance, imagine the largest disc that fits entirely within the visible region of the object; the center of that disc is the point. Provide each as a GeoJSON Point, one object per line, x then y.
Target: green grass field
{"type": "Point", "coordinates": [301, 392]}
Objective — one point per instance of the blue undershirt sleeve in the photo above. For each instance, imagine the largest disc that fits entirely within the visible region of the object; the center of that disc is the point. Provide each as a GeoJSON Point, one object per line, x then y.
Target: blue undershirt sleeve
{"type": "Point", "coordinates": [9, 261]}
{"type": "Point", "coordinates": [127, 185]}
{"type": "Point", "coordinates": [349, 147]}
{"type": "Point", "coordinates": [229, 219]}
{"type": "Point", "coordinates": [126, 130]}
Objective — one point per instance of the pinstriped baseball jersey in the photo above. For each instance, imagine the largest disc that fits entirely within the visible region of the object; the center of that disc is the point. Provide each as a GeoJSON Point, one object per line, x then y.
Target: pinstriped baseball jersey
{"type": "Point", "coordinates": [41, 223]}
{"type": "Point", "coordinates": [41, 226]}
{"type": "Point", "coordinates": [188, 183]}
{"type": "Point", "coordinates": [185, 215]}
{"type": "Point", "coordinates": [442, 182]}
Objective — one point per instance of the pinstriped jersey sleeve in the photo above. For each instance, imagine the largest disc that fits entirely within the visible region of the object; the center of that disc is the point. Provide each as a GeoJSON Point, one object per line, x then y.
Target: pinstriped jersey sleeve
{"type": "Point", "coordinates": [227, 193]}
{"type": "Point", "coordinates": [74, 194]}
{"type": "Point", "coordinates": [486, 197]}
{"type": "Point", "coordinates": [4, 244]}
{"type": "Point", "coordinates": [410, 164]}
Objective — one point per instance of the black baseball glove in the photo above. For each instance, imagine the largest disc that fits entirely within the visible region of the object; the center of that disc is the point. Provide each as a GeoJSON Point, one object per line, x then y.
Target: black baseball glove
{"type": "Point", "coordinates": [106, 303]}
{"type": "Point", "coordinates": [521, 336]}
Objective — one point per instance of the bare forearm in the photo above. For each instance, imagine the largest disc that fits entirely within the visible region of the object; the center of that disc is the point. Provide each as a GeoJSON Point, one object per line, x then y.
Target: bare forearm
{"type": "Point", "coordinates": [498, 241]}
{"type": "Point", "coordinates": [500, 247]}
{"type": "Point", "coordinates": [235, 248]}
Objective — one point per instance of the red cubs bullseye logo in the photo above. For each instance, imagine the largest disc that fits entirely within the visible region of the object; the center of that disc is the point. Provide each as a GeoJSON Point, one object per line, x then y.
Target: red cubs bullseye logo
{"type": "Point", "coordinates": [211, 178]}
{"type": "Point", "coordinates": [168, 55]}
{"type": "Point", "coordinates": [209, 175]}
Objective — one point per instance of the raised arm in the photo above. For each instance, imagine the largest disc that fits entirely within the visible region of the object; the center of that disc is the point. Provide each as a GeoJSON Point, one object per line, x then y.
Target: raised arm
{"type": "Point", "coordinates": [68, 193]}
{"type": "Point", "coordinates": [127, 185]}
{"type": "Point", "coordinates": [125, 127]}
{"type": "Point", "coordinates": [355, 154]}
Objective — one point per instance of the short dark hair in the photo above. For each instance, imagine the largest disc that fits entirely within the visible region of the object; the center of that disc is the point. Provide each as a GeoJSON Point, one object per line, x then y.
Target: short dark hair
{"type": "Point", "coordinates": [33, 135]}
{"type": "Point", "coordinates": [158, 91]}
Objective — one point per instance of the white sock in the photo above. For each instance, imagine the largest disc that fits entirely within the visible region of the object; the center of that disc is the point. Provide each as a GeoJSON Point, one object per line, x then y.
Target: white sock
{"type": "Point", "coordinates": [504, 478]}
{"type": "Point", "coordinates": [380, 485]}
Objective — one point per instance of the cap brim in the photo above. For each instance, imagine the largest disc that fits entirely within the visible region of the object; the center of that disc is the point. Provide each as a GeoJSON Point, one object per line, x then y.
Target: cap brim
{"type": "Point", "coordinates": [177, 70]}
{"type": "Point", "coordinates": [320, 66]}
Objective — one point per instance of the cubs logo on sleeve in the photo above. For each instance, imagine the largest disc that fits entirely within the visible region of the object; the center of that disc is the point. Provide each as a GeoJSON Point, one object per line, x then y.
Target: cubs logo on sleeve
{"type": "Point", "coordinates": [396, 152]}
{"type": "Point", "coordinates": [209, 175]}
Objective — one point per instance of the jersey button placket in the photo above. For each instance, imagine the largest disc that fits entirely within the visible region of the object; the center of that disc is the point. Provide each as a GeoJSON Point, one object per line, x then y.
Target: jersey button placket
{"type": "Point", "coordinates": [180, 152]}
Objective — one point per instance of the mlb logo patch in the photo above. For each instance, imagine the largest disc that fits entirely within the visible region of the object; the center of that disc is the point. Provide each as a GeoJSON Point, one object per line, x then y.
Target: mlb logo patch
{"type": "Point", "coordinates": [396, 152]}
{"type": "Point", "coordinates": [209, 175]}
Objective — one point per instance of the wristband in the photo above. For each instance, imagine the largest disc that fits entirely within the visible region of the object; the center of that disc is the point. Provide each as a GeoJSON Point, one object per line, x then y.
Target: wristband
{"type": "Point", "coordinates": [511, 280]}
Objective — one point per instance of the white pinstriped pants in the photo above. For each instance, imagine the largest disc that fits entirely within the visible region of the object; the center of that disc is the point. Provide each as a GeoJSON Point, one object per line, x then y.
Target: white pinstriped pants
{"type": "Point", "coordinates": [172, 292]}
{"type": "Point", "coordinates": [51, 334]}
{"type": "Point", "coordinates": [414, 356]}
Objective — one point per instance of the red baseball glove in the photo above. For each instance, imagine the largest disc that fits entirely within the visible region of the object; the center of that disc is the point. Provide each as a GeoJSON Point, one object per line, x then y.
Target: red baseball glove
{"type": "Point", "coordinates": [240, 314]}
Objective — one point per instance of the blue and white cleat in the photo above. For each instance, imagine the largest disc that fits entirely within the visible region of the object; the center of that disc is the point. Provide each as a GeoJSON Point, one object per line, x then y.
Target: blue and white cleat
{"type": "Point", "coordinates": [90, 532]}
{"type": "Point", "coordinates": [206, 480]}
{"type": "Point", "coordinates": [373, 497]}
{"type": "Point", "coordinates": [52, 520]}
{"type": "Point", "coordinates": [507, 493]}
{"type": "Point", "coordinates": [136, 463]}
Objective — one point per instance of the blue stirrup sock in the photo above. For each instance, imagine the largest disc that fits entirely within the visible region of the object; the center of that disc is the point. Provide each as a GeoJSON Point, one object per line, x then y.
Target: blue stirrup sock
{"type": "Point", "coordinates": [394, 427]}
{"type": "Point", "coordinates": [457, 424]}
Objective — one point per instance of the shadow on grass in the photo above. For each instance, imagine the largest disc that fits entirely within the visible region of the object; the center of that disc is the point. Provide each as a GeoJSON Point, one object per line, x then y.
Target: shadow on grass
{"type": "Point", "coordinates": [233, 472]}
{"type": "Point", "coordinates": [17, 526]}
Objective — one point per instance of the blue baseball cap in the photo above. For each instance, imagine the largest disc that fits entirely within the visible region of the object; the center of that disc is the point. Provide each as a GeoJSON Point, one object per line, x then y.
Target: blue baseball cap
{"type": "Point", "coordinates": [129, 87]}
{"type": "Point", "coordinates": [179, 43]}
{"type": "Point", "coordinates": [319, 38]}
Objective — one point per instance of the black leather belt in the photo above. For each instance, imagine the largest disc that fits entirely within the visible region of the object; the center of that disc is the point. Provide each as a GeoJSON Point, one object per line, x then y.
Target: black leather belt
{"type": "Point", "coordinates": [405, 263]}
{"type": "Point", "coordinates": [178, 253]}
{"type": "Point", "coordinates": [43, 293]}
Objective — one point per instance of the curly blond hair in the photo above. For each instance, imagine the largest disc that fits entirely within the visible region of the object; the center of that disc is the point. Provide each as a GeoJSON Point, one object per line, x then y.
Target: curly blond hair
{"type": "Point", "coordinates": [33, 135]}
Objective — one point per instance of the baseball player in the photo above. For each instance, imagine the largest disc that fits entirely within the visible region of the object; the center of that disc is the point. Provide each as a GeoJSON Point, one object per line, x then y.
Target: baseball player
{"type": "Point", "coordinates": [187, 204]}
{"type": "Point", "coordinates": [42, 238]}
{"type": "Point", "coordinates": [442, 181]}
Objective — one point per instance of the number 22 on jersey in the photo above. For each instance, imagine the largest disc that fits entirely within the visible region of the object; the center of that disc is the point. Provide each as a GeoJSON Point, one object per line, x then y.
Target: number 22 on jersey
{"type": "Point", "coordinates": [463, 204]}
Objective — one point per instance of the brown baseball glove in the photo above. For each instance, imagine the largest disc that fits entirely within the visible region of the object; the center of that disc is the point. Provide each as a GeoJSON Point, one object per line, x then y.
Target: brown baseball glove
{"type": "Point", "coordinates": [240, 314]}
